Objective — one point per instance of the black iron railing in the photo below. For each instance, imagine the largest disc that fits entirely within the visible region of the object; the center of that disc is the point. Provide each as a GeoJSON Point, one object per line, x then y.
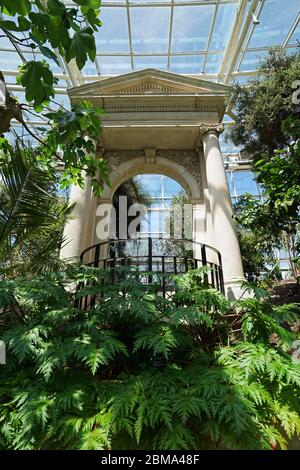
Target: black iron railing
{"type": "Point", "coordinates": [153, 259]}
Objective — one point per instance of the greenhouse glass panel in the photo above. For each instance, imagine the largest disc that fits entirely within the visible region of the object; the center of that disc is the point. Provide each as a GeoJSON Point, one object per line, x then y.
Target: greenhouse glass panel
{"type": "Point", "coordinates": [171, 187]}
{"type": "Point", "coordinates": [222, 26]}
{"type": "Point", "coordinates": [295, 36]}
{"type": "Point", "coordinates": [244, 182]}
{"type": "Point", "coordinates": [113, 35]}
{"type": "Point", "coordinates": [275, 22]}
{"type": "Point", "coordinates": [150, 29]}
{"type": "Point", "coordinates": [213, 63]}
{"type": "Point", "coordinates": [251, 60]}
{"type": "Point", "coordinates": [151, 184]}
{"type": "Point", "coordinates": [114, 65]}
{"type": "Point", "coordinates": [156, 62]}
{"type": "Point", "coordinates": [191, 26]}
{"type": "Point", "coordinates": [10, 60]}
{"type": "Point", "coordinates": [186, 64]}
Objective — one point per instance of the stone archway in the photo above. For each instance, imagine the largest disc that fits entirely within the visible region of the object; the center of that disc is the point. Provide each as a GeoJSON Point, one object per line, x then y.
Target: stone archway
{"type": "Point", "coordinates": [126, 164]}
{"type": "Point", "coordinates": [182, 166]}
{"type": "Point", "coordinates": [165, 123]}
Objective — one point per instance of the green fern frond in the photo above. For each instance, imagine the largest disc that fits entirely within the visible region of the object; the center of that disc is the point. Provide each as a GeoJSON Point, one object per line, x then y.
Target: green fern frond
{"type": "Point", "coordinates": [181, 438]}
{"type": "Point", "coordinates": [187, 404]}
{"type": "Point", "coordinates": [94, 440]}
{"type": "Point", "coordinates": [161, 339]}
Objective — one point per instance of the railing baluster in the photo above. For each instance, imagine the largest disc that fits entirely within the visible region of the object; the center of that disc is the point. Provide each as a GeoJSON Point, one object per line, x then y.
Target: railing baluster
{"type": "Point", "coordinates": [113, 264]}
{"type": "Point", "coordinates": [97, 256]}
{"type": "Point", "coordinates": [214, 278]}
{"type": "Point", "coordinates": [217, 276]}
{"type": "Point", "coordinates": [212, 267]}
{"type": "Point", "coordinates": [149, 259]}
{"type": "Point", "coordinates": [163, 276]}
{"type": "Point", "coordinates": [222, 287]}
{"type": "Point", "coordinates": [175, 264]}
{"type": "Point", "coordinates": [204, 262]}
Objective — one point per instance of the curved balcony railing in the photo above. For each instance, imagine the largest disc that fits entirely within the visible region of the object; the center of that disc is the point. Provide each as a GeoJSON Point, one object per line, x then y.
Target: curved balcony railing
{"type": "Point", "coordinates": [154, 258]}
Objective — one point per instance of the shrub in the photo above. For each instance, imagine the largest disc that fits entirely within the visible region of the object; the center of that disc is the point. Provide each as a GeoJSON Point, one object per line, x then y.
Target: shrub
{"type": "Point", "coordinates": [136, 371]}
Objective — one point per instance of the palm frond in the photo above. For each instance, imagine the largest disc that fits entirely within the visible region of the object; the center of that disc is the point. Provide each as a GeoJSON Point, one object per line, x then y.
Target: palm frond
{"type": "Point", "coordinates": [26, 196]}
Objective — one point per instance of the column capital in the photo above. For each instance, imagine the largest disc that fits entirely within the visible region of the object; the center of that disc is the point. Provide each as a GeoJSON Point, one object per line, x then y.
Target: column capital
{"type": "Point", "coordinates": [217, 128]}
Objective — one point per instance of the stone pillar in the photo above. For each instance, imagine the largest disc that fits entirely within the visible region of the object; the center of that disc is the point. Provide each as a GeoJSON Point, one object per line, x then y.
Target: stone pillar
{"type": "Point", "coordinates": [221, 210]}
{"type": "Point", "coordinates": [199, 229]}
{"type": "Point", "coordinates": [208, 231]}
{"type": "Point", "coordinates": [76, 231]}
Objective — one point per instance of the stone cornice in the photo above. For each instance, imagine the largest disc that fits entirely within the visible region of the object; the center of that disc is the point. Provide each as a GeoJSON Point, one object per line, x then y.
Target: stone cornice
{"type": "Point", "coordinates": [153, 91]}
{"type": "Point", "coordinates": [157, 103]}
{"type": "Point", "coordinates": [150, 80]}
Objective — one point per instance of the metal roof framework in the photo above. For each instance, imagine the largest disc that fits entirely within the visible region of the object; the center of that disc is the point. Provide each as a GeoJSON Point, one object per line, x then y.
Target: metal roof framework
{"type": "Point", "coordinates": [217, 40]}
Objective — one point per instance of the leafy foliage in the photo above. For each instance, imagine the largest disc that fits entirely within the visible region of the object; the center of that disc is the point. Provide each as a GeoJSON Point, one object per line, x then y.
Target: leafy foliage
{"type": "Point", "coordinates": [54, 23]}
{"type": "Point", "coordinates": [76, 133]}
{"type": "Point", "coordinates": [256, 237]}
{"type": "Point", "coordinates": [137, 371]}
{"type": "Point", "coordinates": [256, 249]}
{"type": "Point", "coordinates": [273, 222]}
{"type": "Point", "coordinates": [82, 46]}
{"type": "Point", "coordinates": [263, 105]}
{"type": "Point", "coordinates": [21, 7]}
{"type": "Point", "coordinates": [53, 27]}
{"type": "Point", "coordinates": [280, 176]}
{"type": "Point", "coordinates": [38, 82]}
{"type": "Point", "coordinates": [267, 129]}
{"type": "Point", "coordinates": [31, 215]}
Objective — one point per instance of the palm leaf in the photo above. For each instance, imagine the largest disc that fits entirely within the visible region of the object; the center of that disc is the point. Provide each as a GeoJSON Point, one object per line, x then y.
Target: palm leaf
{"type": "Point", "coordinates": [26, 200]}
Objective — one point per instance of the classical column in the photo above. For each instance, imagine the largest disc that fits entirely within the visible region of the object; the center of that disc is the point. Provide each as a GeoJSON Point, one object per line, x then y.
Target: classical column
{"type": "Point", "coordinates": [199, 228]}
{"type": "Point", "coordinates": [223, 225]}
{"type": "Point", "coordinates": [208, 235]}
{"type": "Point", "coordinates": [76, 231]}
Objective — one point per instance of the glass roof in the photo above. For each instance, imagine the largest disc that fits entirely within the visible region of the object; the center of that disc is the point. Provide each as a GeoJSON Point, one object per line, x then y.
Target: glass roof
{"type": "Point", "coordinates": [275, 22]}
{"type": "Point", "coordinates": [220, 40]}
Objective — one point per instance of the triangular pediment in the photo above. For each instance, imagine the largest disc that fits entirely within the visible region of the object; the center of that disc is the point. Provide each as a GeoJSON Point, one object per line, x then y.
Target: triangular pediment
{"type": "Point", "coordinates": [150, 82]}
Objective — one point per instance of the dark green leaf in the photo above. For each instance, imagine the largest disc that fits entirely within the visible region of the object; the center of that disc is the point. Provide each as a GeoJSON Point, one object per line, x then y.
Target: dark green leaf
{"type": "Point", "coordinates": [24, 25]}
{"type": "Point", "coordinates": [50, 54]}
{"type": "Point", "coordinates": [38, 82]}
{"type": "Point", "coordinates": [13, 7]}
{"type": "Point", "coordinates": [82, 46]}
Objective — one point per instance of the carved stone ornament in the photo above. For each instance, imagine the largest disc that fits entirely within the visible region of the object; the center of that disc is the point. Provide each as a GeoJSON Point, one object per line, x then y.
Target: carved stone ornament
{"type": "Point", "coordinates": [150, 87]}
{"type": "Point", "coordinates": [115, 158]}
{"type": "Point", "coordinates": [214, 127]}
{"type": "Point", "coordinates": [150, 155]}
{"type": "Point", "coordinates": [189, 159]}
